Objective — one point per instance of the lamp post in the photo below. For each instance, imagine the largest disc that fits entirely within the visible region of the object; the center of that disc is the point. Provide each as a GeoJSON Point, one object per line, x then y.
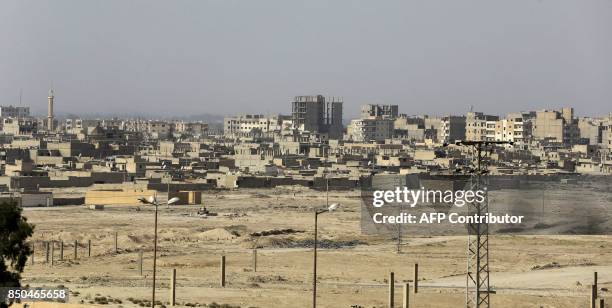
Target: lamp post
{"type": "Point", "coordinates": [317, 212]}
{"type": "Point", "coordinates": [153, 201]}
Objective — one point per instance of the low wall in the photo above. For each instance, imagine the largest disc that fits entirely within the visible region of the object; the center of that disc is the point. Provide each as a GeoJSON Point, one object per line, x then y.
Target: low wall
{"type": "Point", "coordinates": [120, 197]}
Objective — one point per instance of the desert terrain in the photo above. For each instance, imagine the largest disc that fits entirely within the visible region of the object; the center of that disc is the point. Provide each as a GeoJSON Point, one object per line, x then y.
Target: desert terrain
{"type": "Point", "coordinates": [353, 269]}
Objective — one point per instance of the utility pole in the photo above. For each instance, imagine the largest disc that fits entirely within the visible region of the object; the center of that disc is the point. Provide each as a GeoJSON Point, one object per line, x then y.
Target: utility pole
{"type": "Point", "coordinates": [154, 253]}
{"type": "Point", "coordinates": [399, 226]}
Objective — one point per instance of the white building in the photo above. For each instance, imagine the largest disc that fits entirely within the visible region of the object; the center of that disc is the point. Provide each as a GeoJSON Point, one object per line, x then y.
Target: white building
{"type": "Point", "coordinates": [249, 123]}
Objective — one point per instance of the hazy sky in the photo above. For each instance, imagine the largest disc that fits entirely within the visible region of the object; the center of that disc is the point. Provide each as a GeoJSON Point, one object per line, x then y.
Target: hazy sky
{"type": "Point", "coordinates": [225, 57]}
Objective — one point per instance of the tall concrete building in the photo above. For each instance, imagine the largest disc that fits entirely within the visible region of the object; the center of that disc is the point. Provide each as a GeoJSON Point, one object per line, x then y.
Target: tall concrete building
{"type": "Point", "coordinates": [370, 129]}
{"type": "Point", "coordinates": [14, 112]}
{"type": "Point", "coordinates": [557, 126]}
{"type": "Point", "coordinates": [408, 127]}
{"type": "Point", "coordinates": [50, 118]}
{"type": "Point", "coordinates": [480, 127]}
{"type": "Point", "coordinates": [249, 123]}
{"type": "Point", "coordinates": [383, 111]}
{"type": "Point", "coordinates": [606, 132]}
{"type": "Point", "coordinates": [318, 115]}
{"type": "Point", "coordinates": [452, 128]}
{"type": "Point", "coordinates": [516, 127]}
{"type": "Point", "coordinates": [590, 129]}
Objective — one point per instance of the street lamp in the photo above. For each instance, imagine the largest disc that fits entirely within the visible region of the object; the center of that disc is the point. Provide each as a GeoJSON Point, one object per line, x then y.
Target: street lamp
{"type": "Point", "coordinates": [153, 201]}
{"type": "Point", "coordinates": [317, 212]}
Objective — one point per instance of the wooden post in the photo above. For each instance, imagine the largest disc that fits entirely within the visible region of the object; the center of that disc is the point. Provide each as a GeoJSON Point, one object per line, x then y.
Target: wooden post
{"type": "Point", "coordinates": [61, 250]}
{"type": "Point", "coordinates": [32, 255]}
{"type": "Point", "coordinates": [593, 296]}
{"type": "Point", "coordinates": [76, 245]}
{"type": "Point", "coordinates": [391, 290]}
{"type": "Point", "coordinates": [406, 295]}
{"type": "Point", "coordinates": [222, 271]}
{"type": "Point", "coordinates": [52, 244]}
{"type": "Point", "coordinates": [116, 246]}
{"type": "Point", "coordinates": [416, 278]}
{"type": "Point", "coordinates": [140, 258]}
{"type": "Point", "coordinates": [595, 282]}
{"type": "Point", "coordinates": [254, 260]}
{"type": "Point", "coordinates": [601, 303]}
{"type": "Point", "coordinates": [46, 252]}
{"type": "Point", "coordinates": [89, 248]}
{"type": "Point", "coordinates": [173, 287]}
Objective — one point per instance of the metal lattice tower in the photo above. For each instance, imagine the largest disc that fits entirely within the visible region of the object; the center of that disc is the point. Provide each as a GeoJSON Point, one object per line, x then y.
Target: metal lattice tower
{"type": "Point", "coordinates": [477, 279]}
{"type": "Point", "coordinates": [477, 291]}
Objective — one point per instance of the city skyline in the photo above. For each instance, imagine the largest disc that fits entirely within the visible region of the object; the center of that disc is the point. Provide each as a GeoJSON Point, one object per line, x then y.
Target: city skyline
{"type": "Point", "coordinates": [427, 58]}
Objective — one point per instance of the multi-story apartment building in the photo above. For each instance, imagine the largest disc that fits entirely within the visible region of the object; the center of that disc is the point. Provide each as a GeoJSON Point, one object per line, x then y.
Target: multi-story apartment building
{"type": "Point", "coordinates": [19, 126]}
{"type": "Point", "coordinates": [153, 128]}
{"type": "Point", "coordinates": [409, 127]}
{"type": "Point", "coordinates": [480, 127]}
{"type": "Point", "coordinates": [370, 129]}
{"type": "Point", "coordinates": [191, 128]}
{"type": "Point", "coordinates": [606, 132]}
{"type": "Point", "coordinates": [556, 126]}
{"type": "Point", "coordinates": [452, 128]}
{"type": "Point", "coordinates": [73, 124]}
{"type": "Point", "coordinates": [248, 123]}
{"type": "Point", "coordinates": [516, 127]}
{"type": "Point", "coordinates": [591, 129]}
{"type": "Point", "coordinates": [14, 112]}
{"type": "Point", "coordinates": [383, 111]}
{"type": "Point", "coordinates": [318, 115]}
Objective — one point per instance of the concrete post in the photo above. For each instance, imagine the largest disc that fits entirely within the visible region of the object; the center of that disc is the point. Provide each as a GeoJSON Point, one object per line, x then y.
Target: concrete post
{"type": "Point", "coordinates": [416, 278]}
{"type": "Point", "coordinates": [406, 295]}
{"type": "Point", "coordinates": [593, 296]}
{"type": "Point", "coordinates": [116, 247]}
{"type": "Point", "coordinates": [391, 290]}
{"type": "Point", "coordinates": [173, 287]}
{"type": "Point", "coordinates": [222, 271]}
{"type": "Point", "coordinates": [89, 248]}
{"type": "Point", "coordinates": [140, 262]}
{"type": "Point", "coordinates": [76, 245]}
{"type": "Point", "coordinates": [61, 250]}
{"type": "Point", "coordinates": [254, 260]}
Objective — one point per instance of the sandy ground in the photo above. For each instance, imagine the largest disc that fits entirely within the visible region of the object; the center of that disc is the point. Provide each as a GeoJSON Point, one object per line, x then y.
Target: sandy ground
{"type": "Point", "coordinates": [353, 274]}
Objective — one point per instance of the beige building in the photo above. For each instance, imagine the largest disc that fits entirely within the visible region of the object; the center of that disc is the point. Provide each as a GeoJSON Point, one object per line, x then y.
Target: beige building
{"type": "Point", "coordinates": [367, 130]}
{"type": "Point", "coordinates": [19, 126]}
{"type": "Point", "coordinates": [516, 127]}
{"type": "Point", "coordinates": [480, 127]}
{"type": "Point", "coordinates": [191, 128]}
{"type": "Point", "coordinates": [606, 132]}
{"type": "Point", "coordinates": [557, 126]}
